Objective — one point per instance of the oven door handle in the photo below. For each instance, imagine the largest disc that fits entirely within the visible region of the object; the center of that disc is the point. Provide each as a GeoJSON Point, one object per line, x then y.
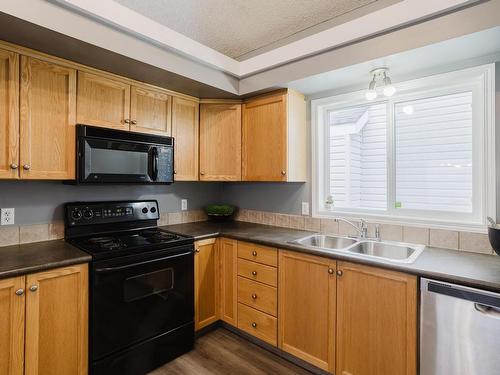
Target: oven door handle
{"type": "Point", "coordinates": [119, 268]}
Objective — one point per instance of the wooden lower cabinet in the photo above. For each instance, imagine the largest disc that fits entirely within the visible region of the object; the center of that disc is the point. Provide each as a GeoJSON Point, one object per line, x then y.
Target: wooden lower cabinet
{"type": "Point", "coordinates": [228, 257]}
{"type": "Point", "coordinates": [307, 308]}
{"type": "Point", "coordinates": [44, 322]}
{"type": "Point", "coordinates": [376, 321]}
{"type": "Point", "coordinates": [12, 325]}
{"type": "Point", "coordinates": [206, 281]}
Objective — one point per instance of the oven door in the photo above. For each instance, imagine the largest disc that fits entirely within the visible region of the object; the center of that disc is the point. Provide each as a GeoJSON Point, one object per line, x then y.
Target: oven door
{"type": "Point", "coordinates": [139, 297]}
{"type": "Point", "coordinates": [117, 161]}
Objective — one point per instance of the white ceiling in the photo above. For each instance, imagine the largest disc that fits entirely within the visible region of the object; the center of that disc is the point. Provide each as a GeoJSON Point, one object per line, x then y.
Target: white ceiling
{"type": "Point", "coordinates": [469, 50]}
{"type": "Point", "coordinates": [238, 27]}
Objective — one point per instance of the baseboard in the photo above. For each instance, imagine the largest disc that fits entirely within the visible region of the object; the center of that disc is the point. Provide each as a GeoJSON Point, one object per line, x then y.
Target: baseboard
{"type": "Point", "coordinates": [270, 348]}
{"type": "Point", "coordinates": [208, 329]}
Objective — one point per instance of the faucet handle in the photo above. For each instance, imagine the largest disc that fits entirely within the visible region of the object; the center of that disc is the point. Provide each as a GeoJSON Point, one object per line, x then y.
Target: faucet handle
{"type": "Point", "coordinates": [377, 231]}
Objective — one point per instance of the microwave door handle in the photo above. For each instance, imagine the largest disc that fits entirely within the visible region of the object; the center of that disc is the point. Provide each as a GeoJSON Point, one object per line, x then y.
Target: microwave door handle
{"type": "Point", "coordinates": [154, 170]}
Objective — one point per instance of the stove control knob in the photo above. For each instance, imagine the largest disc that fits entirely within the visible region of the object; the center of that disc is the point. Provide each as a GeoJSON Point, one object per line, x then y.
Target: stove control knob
{"type": "Point", "coordinates": [145, 210]}
{"type": "Point", "coordinates": [87, 214]}
{"type": "Point", "coordinates": [76, 214]}
{"type": "Point", "coordinates": [153, 209]}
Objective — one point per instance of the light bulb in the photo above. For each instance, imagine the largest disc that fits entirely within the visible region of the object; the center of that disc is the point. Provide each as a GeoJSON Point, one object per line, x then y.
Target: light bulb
{"type": "Point", "coordinates": [371, 95]}
{"type": "Point", "coordinates": [389, 90]}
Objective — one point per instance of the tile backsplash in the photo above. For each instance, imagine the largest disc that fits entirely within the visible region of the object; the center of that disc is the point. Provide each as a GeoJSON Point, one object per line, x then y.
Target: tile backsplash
{"type": "Point", "coordinates": [19, 234]}
{"type": "Point", "coordinates": [462, 241]}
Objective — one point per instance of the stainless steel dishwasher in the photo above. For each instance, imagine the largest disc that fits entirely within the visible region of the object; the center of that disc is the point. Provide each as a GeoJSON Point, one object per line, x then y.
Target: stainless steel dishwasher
{"type": "Point", "coordinates": [459, 330]}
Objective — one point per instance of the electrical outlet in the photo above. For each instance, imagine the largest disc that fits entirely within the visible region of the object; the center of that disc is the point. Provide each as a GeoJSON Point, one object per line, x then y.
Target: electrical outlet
{"type": "Point", "coordinates": [305, 208]}
{"type": "Point", "coordinates": [7, 216]}
{"type": "Point", "coordinates": [184, 204]}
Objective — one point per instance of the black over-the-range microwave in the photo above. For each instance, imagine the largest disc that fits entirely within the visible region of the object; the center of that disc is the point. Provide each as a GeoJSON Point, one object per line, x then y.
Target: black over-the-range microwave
{"type": "Point", "coordinates": [116, 156]}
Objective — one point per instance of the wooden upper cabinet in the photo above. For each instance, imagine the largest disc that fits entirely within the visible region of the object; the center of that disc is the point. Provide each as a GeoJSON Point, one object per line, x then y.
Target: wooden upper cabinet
{"type": "Point", "coordinates": [12, 326]}
{"type": "Point", "coordinates": [185, 130]}
{"type": "Point", "coordinates": [103, 101]}
{"type": "Point", "coordinates": [228, 256]}
{"type": "Point", "coordinates": [47, 120]}
{"type": "Point", "coordinates": [274, 138]}
{"type": "Point", "coordinates": [206, 281]}
{"type": "Point", "coordinates": [150, 111]}
{"type": "Point", "coordinates": [57, 321]}
{"type": "Point", "coordinates": [307, 308]}
{"type": "Point", "coordinates": [220, 142]}
{"type": "Point", "coordinates": [9, 115]}
{"type": "Point", "coordinates": [376, 321]}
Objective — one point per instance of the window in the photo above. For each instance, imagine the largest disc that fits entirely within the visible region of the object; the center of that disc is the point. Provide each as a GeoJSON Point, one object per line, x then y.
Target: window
{"type": "Point", "coordinates": [426, 154]}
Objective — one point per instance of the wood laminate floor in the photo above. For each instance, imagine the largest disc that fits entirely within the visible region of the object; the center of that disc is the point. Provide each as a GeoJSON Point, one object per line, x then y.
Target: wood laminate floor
{"type": "Point", "coordinates": [221, 352]}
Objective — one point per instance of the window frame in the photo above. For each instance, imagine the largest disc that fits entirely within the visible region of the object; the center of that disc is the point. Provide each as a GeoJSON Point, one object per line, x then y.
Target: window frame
{"type": "Point", "coordinates": [481, 81]}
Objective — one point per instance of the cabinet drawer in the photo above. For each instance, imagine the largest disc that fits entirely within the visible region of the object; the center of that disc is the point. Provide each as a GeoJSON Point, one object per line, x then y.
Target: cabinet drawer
{"type": "Point", "coordinates": [258, 272]}
{"type": "Point", "coordinates": [258, 253]}
{"type": "Point", "coordinates": [258, 324]}
{"type": "Point", "coordinates": [259, 296]}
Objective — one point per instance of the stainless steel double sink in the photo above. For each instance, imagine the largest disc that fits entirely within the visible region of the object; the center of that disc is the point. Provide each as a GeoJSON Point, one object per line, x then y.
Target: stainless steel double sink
{"type": "Point", "coordinates": [393, 251]}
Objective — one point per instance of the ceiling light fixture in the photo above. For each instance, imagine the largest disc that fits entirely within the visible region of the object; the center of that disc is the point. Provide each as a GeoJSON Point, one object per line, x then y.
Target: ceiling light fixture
{"type": "Point", "coordinates": [380, 77]}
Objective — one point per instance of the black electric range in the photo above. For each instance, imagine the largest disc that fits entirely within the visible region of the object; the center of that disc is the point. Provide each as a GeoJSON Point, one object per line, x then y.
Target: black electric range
{"type": "Point", "coordinates": [141, 285]}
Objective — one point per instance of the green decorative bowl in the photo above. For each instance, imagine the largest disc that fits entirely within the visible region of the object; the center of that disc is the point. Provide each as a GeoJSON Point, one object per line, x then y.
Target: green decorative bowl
{"type": "Point", "coordinates": [220, 211]}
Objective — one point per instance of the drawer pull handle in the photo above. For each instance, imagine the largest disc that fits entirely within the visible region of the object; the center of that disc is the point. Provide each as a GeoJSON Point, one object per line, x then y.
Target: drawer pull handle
{"type": "Point", "coordinates": [254, 296]}
{"type": "Point", "coordinates": [254, 253]}
{"type": "Point", "coordinates": [254, 273]}
{"type": "Point", "coordinates": [20, 292]}
{"type": "Point", "coordinates": [254, 325]}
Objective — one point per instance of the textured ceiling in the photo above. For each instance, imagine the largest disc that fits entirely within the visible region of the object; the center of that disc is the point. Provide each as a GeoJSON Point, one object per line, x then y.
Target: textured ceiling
{"type": "Point", "coordinates": [237, 27]}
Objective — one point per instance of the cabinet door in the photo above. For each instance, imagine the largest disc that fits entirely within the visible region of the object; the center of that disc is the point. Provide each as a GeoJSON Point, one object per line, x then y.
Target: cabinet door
{"type": "Point", "coordinates": [12, 326]}
{"type": "Point", "coordinates": [264, 144]}
{"type": "Point", "coordinates": [206, 281]}
{"type": "Point", "coordinates": [57, 321]}
{"type": "Point", "coordinates": [47, 120]}
{"type": "Point", "coordinates": [103, 101]}
{"type": "Point", "coordinates": [150, 111]}
{"type": "Point", "coordinates": [307, 308]}
{"type": "Point", "coordinates": [185, 130]}
{"type": "Point", "coordinates": [376, 321]}
{"type": "Point", "coordinates": [9, 114]}
{"type": "Point", "coordinates": [228, 279]}
{"type": "Point", "coordinates": [220, 142]}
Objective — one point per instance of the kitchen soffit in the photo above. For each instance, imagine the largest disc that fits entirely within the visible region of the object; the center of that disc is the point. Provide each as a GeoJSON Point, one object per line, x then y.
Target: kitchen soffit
{"type": "Point", "coordinates": [397, 14]}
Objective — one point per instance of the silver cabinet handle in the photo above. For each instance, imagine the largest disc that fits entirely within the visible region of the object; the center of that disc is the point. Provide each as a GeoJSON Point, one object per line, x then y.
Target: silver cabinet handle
{"type": "Point", "coordinates": [254, 325]}
{"type": "Point", "coordinates": [14, 166]}
{"type": "Point", "coordinates": [254, 273]}
{"type": "Point", "coordinates": [20, 292]}
{"type": "Point", "coordinates": [340, 273]}
{"type": "Point", "coordinates": [254, 253]}
{"type": "Point", "coordinates": [283, 173]}
{"type": "Point", "coordinates": [254, 296]}
{"type": "Point", "coordinates": [196, 250]}
{"type": "Point", "coordinates": [26, 167]}
{"type": "Point", "coordinates": [33, 288]}
{"type": "Point", "coordinates": [126, 121]}
{"type": "Point", "coordinates": [331, 271]}
{"type": "Point", "coordinates": [133, 122]}
{"type": "Point", "coordinates": [202, 173]}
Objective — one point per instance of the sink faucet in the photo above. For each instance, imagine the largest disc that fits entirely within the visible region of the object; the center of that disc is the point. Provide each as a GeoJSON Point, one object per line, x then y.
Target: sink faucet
{"type": "Point", "coordinates": [362, 229]}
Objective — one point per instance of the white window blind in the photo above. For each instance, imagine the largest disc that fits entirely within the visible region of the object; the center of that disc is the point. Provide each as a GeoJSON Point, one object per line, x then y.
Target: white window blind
{"type": "Point", "coordinates": [434, 153]}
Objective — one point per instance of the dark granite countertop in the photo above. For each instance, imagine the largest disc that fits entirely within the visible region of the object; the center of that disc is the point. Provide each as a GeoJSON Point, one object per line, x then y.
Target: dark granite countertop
{"type": "Point", "coordinates": [475, 270]}
{"type": "Point", "coordinates": [38, 256]}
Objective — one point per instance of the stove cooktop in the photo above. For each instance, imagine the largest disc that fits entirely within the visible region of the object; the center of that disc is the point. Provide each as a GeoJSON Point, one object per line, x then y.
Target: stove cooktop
{"type": "Point", "coordinates": [123, 243]}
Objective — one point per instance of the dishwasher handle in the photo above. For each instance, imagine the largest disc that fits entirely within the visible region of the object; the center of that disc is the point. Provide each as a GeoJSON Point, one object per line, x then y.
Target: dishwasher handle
{"type": "Point", "coordinates": [479, 297]}
{"type": "Point", "coordinates": [487, 310]}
